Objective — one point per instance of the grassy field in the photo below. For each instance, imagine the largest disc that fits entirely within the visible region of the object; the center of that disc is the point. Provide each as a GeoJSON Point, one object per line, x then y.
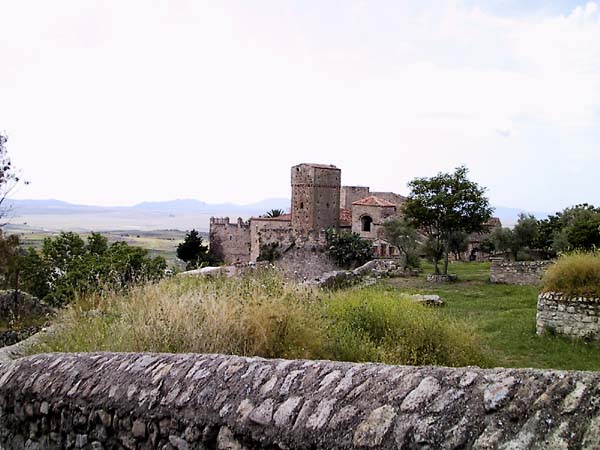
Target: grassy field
{"type": "Point", "coordinates": [503, 317]}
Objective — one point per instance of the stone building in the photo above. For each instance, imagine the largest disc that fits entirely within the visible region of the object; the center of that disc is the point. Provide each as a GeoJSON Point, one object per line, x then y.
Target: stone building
{"type": "Point", "coordinates": [319, 202]}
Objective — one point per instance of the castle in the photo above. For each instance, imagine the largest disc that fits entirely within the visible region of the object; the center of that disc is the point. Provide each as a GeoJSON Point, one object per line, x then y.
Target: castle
{"type": "Point", "coordinates": [319, 202]}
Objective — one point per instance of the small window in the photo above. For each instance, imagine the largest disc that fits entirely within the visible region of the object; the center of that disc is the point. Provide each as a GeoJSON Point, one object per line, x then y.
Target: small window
{"type": "Point", "coordinates": [327, 205]}
{"type": "Point", "coordinates": [301, 205]}
{"type": "Point", "coordinates": [365, 223]}
{"type": "Point", "coordinates": [230, 238]}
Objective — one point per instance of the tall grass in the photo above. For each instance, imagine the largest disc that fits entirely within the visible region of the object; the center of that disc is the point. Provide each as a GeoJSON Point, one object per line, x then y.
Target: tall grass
{"type": "Point", "coordinates": [263, 316]}
{"type": "Point", "coordinates": [576, 274]}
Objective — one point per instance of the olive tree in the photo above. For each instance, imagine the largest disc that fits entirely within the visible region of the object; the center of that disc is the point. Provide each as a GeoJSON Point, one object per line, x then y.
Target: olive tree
{"type": "Point", "coordinates": [444, 204]}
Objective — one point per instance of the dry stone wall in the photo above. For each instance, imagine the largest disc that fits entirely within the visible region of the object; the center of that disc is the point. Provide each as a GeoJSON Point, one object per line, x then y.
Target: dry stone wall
{"type": "Point", "coordinates": [518, 272]}
{"type": "Point", "coordinates": [568, 316]}
{"type": "Point", "coordinates": [165, 401]}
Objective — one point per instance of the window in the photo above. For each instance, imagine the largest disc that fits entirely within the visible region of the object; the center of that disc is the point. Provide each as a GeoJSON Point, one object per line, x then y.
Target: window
{"type": "Point", "coordinates": [301, 205]}
{"type": "Point", "coordinates": [365, 223]}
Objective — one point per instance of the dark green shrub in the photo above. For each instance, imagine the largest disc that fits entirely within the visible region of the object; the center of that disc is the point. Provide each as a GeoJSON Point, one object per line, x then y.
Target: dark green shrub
{"type": "Point", "coordinates": [347, 249]}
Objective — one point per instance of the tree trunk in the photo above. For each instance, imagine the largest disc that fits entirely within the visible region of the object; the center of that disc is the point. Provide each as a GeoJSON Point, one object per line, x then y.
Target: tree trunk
{"type": "Point", "coordinates": [446, 252]}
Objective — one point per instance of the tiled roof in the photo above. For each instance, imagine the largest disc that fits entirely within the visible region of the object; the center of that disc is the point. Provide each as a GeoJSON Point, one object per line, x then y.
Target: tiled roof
{"type": "Point", "coordinates": [373, 201]}
{"type": "Point", "coordinates": [345, 217]}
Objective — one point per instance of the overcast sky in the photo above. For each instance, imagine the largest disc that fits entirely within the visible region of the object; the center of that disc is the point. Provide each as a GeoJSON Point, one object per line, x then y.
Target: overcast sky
{"type": "Point", "coordinates": [117, 102]}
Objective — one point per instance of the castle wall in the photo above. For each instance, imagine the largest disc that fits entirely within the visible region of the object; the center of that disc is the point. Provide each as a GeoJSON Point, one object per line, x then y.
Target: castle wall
{"type": "Point", "coordinates": [230, 242]}
{"type": "Point", "coordinates": [265, 231]}
{"type": "Point", "coordinates": [218, 402]}
{"type": "Point", "coordinates": [351, 194]}
{"type": "Point", "coordinates": [315, 197]}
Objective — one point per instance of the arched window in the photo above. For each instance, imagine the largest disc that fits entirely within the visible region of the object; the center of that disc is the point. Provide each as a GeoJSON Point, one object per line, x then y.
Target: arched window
{"type": "Point", "coordinates": [365, 223]}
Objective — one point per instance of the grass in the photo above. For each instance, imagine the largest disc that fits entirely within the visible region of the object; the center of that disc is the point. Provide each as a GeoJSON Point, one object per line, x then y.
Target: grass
{"type": "Point", "coordinates": [575, 274]}
{"type": "Point", "coordinates": [503, 316]}
{"type": "Point", "coordinates": [264, 316]}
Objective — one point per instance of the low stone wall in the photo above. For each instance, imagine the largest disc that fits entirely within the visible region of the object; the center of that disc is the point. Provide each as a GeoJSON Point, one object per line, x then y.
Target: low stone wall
{"type": "Point", "coordinates": [165, 401]}
{"type": "Point", "coordinates": [377, 268]}
{"type": "Point", "coordinates": [518, 272]}
{"type": "Point", "coordinates": [568, 316]}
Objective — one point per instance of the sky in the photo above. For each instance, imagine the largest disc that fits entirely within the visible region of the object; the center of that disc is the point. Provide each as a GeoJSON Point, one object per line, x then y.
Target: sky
{"type": "Point", "coordinates": [114, 102]}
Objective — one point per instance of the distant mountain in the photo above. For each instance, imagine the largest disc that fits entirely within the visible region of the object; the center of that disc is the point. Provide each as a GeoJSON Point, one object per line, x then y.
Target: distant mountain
{"type": "Point", "coordinates": [180, 214]}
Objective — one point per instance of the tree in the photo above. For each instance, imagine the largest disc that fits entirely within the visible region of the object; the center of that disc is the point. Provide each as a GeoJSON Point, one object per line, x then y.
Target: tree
{"type": "Point", "coordinates": [447, 203]}
{"type": "Point", "coordinates": [525, 233]}
{"type": "Point", "coordinates": [275, 213]}
{"type": "Point", "coordinates": [402, 235]}
{"type": "Point", "coordinates": [348, 249]}
{"type": "Point", "coordinates": [9, 178]}
{"type": "Point", "coordinates": [67, 265]}
{"type": "Point", "coordinates": [459, 243]}
{"type": "Point", "coordinates": [192, 251]}
{"type": "Point", "coordinates": [503, 240]}
{"type": "Point", "coordinates": [576, 227]}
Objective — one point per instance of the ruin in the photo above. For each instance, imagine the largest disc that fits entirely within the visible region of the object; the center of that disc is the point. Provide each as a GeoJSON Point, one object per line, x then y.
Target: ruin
{"type": "Point", "coordinates": [319, 202]}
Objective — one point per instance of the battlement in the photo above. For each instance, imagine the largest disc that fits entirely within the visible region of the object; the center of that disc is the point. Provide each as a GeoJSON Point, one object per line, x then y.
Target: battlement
{"type": "Point", "coordinates": [225, 221]}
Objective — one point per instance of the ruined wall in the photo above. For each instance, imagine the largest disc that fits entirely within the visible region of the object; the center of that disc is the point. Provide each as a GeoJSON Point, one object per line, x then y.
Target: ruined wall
{"type": "Point", "coordinates": [518, 272]}
{"type": "Point", "coordinates": [264, 231]}
{"type": "Point", "coordinates": [377, 213]}
{"type": "Point", "coordinates": [315, 197]}
{"type": "Point", "coordinates": [186, 401]}
{"type": "Point", "coordinates": [351, 194]}
{"type": "Point", "coordinates": [230, 242]}
{"type": "Point", "coordinates": [568, 316]}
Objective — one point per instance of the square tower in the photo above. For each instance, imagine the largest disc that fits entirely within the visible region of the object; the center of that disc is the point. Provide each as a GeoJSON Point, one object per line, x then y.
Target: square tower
{"type": "Point", "coordinates": [315, 197]}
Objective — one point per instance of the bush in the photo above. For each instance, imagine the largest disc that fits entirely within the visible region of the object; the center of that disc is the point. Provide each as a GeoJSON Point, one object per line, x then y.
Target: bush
{"type": "Point", "coordinates": [382, 326]}
{"type": "Point", "coordinates": [575, 274]}
{"type": "Point", "coordinates": [348, 250]}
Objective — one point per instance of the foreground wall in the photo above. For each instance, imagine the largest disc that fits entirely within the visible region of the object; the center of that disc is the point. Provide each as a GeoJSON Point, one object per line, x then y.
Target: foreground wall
{"type": "Point", "coordinates": [144, 401]}
{"type": "Point", "coordinates": [518, 272]}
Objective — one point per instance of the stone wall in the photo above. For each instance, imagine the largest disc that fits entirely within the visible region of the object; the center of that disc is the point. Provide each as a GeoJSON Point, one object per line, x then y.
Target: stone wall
{"type": "Point", "coordinates": [396, 199]}
{"type": "Point", "coordinates": [517, 272]}
{"type": "Point", "coordinates": [568, 316]}
{"type": "Point", "coordinates": [165, 401]}
{"type": "Point", "coordinates": [351, 194]}
{"type": "Point", "coordinates": [265, 231]}
{"type": "Point", "coordinates": [377, 213]}
{"type": "Point", "coordinates": [230, 242]}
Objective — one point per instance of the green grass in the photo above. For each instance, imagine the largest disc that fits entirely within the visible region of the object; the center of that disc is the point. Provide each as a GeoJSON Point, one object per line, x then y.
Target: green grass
{"type": "Point", "coordinates": [263, 316]}
{"type": "Point", "coordinates": [503, 317]}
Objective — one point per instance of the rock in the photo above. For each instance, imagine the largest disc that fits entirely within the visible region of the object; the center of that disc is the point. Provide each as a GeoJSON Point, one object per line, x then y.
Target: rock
{"type": "Point", "coordinates": [138, 429]}
{"type": "Point", "coordinates": [429, 300]}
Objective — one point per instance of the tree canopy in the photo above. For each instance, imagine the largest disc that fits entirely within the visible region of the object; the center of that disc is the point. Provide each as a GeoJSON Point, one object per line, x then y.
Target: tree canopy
{"type": "Point", "coordinates": [445, 204]}
{"type": "Point", "coordinates": [9, 177]}
{"type": "Point", "coordinates": [192, 251]}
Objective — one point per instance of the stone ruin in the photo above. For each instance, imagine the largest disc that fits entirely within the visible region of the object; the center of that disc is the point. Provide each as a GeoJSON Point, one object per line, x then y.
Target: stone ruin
{"type": "Point", "coordinates": [570, 316]}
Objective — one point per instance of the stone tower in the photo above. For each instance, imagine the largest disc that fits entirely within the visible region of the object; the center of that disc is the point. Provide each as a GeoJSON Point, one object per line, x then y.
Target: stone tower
{"type": "Point", "coordinates": [315, 197]}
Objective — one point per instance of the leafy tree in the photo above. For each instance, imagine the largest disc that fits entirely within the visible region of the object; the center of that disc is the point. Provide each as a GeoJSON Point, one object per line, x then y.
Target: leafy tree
{"type": "Point", "coordinates": [576, 227]}
{"type": "Point", "coordinates": [67, 265]}
{"type": "Point", "coordinates": [487, 245]}
{"type": "Point", "coordinates": [525, 232]}
{"type": "Point", "coordinates": [402, 235]}
{"type": "Point", "coordinates": [9, 177]}
{"type": "Point", "coordinates": [348, 249]}
{"type": "Point", "coordinates": [10, 254]}
{"type": "Point", "coordinates": [447, 203]}
{"type": "Point", "coordinates": [193, 252]}
{"type": "Point", "coordinates": [458, 243]}
{"type": "Point", "coordinates": [275, 213]}
{"type": "Point", "coordinates": [503, 240]}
